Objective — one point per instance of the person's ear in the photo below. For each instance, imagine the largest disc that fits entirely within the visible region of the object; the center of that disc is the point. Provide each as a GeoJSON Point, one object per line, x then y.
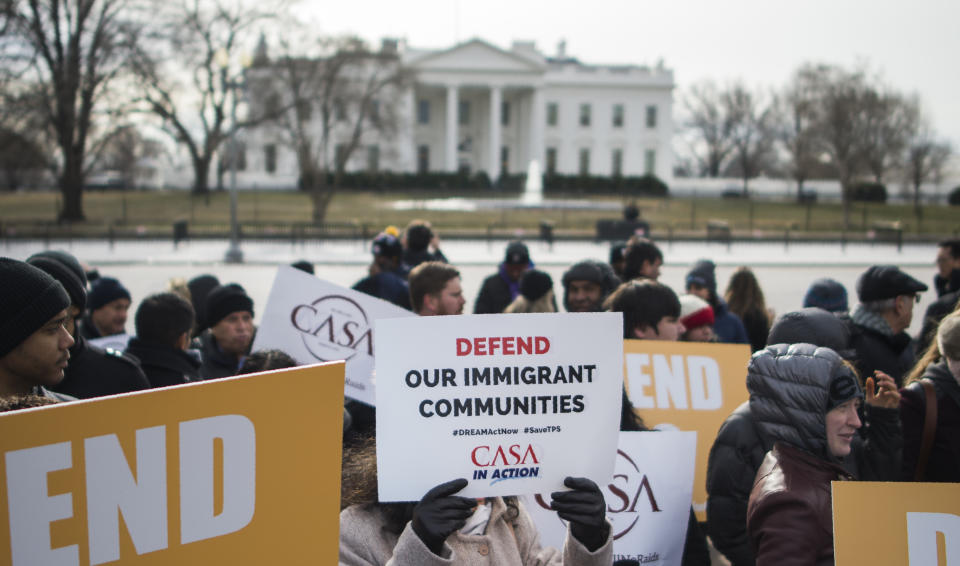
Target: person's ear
{"type": "Point", "coordinates": [430, 303]}
{"type": "Point", "coordinates": [184, 341]}
{"type": "Point", "coordinates": [638, 332]}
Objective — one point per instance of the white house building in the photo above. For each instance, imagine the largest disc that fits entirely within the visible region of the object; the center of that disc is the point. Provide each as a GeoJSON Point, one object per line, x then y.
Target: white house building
{"type": "Point", "coordinates": [478, 107]}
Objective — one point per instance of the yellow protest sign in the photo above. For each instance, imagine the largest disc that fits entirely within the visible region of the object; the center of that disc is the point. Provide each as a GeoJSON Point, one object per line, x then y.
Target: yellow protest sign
{"type": "Point", "coordinates": [687, 386]}
{"type": "Point", "coordinates": [903, 524]}
{"type": "Point", "coordinates": [243, 470]}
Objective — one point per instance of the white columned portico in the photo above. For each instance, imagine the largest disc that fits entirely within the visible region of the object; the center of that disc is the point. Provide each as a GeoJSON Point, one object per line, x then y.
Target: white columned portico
{"type": "Point", "coordinates": [451, 134]}
{"type": "Point", "coordinates": [496, 107]}
{"type": "Point", "coordinates": [537, 125]}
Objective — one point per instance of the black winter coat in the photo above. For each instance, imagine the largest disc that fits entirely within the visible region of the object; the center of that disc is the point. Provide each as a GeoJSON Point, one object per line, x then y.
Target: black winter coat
{"type": "Point", "coordinates": [164, 365]}
{"type": "Point", "coordinates": [494, 295]}
{"type": "Point", "coordinates": [931, 319]}
{"type": "Point", "coordinates": [944, 462]}
{"type": "Point", "coordinates": [739, 450]}
{"type": "Point", "coordinates": [893, 355]}
{"type": "Point", "coordinates": [96, 372]}
{"type": "Point", "coordinates": [216, 363]}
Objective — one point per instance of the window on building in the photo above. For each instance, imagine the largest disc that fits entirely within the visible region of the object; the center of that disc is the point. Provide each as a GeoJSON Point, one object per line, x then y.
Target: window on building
{"type": "Point", "coordinates": [373, 158]}
{"type": "Point", "coordinates": [375, 112]}
{"type": "Point", "coordinates": [272, 104]}
{"type": "Point", "coordinates": [584, 114]}
{"type": "Point", "coordinates": [270, 158]}
{"type": "Point", "coordinates": [463, 113]}
{"type": "Point", "coordinates": [553, 111]}
{"type": "Point", "coordinates": [339, 110]}
{"type": "Point", "coordinates": [551, 161]}
{"type": "Point", "coordinates": [618, 115]}
{"type": "Point", "coordinates": [423, 111]}
{"type": "Point", "coordinates": [423, 159]}
{"type": "Point", "coordinates": [504, 160]}
{"type": "Point", "coordinates": [340, 157]}
{"type": "Point", "coordinates": [650, 162]}
{"type": "Point", "coordinates": [651, 116]}
{"type": "Point", "coordinates": [584, 161]}
{"type": "Point", "coordinates": [505, 114]}
{"type": "Point", "coordinates": [617, 162]}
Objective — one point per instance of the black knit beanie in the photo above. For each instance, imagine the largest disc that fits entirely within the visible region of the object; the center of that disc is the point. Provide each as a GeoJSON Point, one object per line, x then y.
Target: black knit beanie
{"type": "Point", "coordinates": [65, 268]}
{"type": "Point", "coordinates": [105, 290]}
{"type": "Point", "coordinates": [224, 300]}
{"type": "Point", "coordinates": [535, 284]}
{"type": "Point", "coordinates": [30, 298]}
{"type": "Point", "coordinates": [703, 274]}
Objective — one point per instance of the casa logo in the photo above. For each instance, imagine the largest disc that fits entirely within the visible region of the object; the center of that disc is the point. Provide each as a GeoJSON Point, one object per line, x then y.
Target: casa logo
{"type": "Point", "coordinates": [333, 327]}
{"type": "Point", "coordinates": [505, 462]}
{"type": "Point", "coordinates": [628, 495]}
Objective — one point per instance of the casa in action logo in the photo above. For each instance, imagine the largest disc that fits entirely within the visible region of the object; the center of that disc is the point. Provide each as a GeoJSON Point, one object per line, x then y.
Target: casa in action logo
{"type": "Point", "coordinates": [505, 462]}
{"type": "Point", "coordinates": [333, 327]}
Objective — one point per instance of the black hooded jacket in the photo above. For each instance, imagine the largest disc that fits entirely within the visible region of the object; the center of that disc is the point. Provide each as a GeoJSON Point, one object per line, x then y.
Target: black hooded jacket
{"type": "Point", "coordinates": [164, 365]}
{"type": "Point", "coordinates": [96, 372]}
{"type": "Point", "coordinates": [739, 450]}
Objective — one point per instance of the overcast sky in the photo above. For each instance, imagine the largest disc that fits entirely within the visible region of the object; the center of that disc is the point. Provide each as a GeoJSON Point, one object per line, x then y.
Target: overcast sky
{"type": "Point", "coordinates": [914, 45]}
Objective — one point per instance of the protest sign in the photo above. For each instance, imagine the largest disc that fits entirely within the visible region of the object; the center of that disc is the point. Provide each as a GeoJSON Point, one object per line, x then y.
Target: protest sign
{"type": "Point", "coordinates": [513, 403]}
{"type": "Point", "coordinates": [203, 473]}
{"type": "Point", "coordinates": [648, 498]}
{"type": "Point", "coordinates": [687, 386]}
{"type": "Point", "coordinates": [316, 321]}
{"type": "Point", "coordinates": [881, 523]}
{"type": "Point", "coordinates": [117, 342]}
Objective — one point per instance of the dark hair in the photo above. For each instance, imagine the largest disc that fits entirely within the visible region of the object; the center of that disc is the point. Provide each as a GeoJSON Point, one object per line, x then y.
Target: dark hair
{"type": "Point", "coordinates": [163, 318]}
{"type": "Point", "coordinates": [418, 235]}
{"type": "Point", "coordinates": [637, 251]}
{"type": "Point", "coordinates": [744, 293]}
{"type": "Point", "coordinates": [644, 303]}
{"type": "Point", "coordinates": [266, 360]}
{"type": "Point", "coordinates": [429, 278]}
{"type": "Point", "coordinates": [953, 246]}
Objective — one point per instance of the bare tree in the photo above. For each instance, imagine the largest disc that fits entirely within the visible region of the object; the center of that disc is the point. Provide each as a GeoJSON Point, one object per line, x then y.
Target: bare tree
{"type": "Point", "coordinates": [712, 125]}
{"type": "Point", "coordinates": [66, 53]}
{"type": "Point", "coordinates": [925, 160]}
{"type": "Point", "coordinates": [185, 74]}
{"type": "Point", "coordinates": [888, 123]}
{"type": "Point", "coordinates": [752, 129]}
{"type": "Point", "coordinates": [332, 102]}
{"type": "Point", "coordinates": [799, 109]}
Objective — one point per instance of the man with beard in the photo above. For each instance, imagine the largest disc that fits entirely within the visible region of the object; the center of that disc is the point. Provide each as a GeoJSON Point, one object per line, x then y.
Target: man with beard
{"type": "Point", "coordinates": [435, 289]}
{"type": "Point", "coordinates": [586, 284]}
{"type": "Point", "coordinates": [34, 342]}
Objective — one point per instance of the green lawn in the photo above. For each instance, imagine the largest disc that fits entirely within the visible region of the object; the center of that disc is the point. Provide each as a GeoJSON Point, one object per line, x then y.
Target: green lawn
{"type": "Point", "coordinates": [155, 211]}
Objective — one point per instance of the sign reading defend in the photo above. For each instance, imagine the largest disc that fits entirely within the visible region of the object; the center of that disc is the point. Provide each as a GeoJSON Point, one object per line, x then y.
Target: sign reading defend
{"type": "Point", "coordinates": [313, 321]}
{"type": "Point", "coordinates": [243, 470]}
{"type": "Point", "coordinates": [687, 386]}
{"type": "Point", "coordinates": [902, 524]}
{"type": "Point", "coordinates": [513, 403]}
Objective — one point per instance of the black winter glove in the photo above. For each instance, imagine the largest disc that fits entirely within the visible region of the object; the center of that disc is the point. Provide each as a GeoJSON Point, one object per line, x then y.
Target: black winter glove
{"type": "Point", "coordinates": [585, 509]}
{"type": "Point", "coordinates": [440, 513]}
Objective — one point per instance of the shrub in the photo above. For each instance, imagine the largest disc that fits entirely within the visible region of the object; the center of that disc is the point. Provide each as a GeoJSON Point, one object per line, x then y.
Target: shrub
{"type": "Point", "coordinates": [868, 192]}
{"type": "Point", "coordinates": [954, 197]}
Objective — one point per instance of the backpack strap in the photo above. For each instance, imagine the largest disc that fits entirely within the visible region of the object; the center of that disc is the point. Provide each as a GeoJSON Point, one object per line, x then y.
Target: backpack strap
{"type": "Point", "coordinates": [929, 429]}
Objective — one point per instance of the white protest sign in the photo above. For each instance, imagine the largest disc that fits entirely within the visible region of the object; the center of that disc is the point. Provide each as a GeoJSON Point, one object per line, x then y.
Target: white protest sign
{"type": "Point", "coordinates": [514, 403]}
{"type": "Point", "coordinates": [648, 498]}
{"type": "Point", "coordinates": [117, 342]}
{"type": "Point", "coordinates": [313, 321]}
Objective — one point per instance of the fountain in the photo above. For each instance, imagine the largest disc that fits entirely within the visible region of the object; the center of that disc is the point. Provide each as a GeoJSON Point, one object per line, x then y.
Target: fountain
{"type": "Point", "coordinates": [533, 189]}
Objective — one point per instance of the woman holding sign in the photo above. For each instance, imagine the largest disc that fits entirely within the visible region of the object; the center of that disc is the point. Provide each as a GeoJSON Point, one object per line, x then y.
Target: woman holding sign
{"type": "Point", "coordinates": [444, 528]}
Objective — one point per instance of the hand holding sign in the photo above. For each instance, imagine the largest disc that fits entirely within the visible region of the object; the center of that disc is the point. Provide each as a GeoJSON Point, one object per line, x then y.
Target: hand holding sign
{"type": "Point", "coordinates": [585, 508]}
{"type": "Point", "coordinates": [440, 513]}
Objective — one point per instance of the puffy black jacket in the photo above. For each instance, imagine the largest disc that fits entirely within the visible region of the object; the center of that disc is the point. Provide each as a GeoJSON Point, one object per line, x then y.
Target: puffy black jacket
{"type": "Point", "coordinates": [739, 450]}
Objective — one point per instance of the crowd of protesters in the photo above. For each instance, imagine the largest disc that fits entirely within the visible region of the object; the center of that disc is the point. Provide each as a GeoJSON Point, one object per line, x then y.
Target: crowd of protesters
{"type": "Point", "coordinates": [835, 393]}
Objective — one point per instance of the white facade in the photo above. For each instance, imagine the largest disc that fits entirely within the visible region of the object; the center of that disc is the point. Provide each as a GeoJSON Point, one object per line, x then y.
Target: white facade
{"type": "Point", "coordinates": [482, 108]}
